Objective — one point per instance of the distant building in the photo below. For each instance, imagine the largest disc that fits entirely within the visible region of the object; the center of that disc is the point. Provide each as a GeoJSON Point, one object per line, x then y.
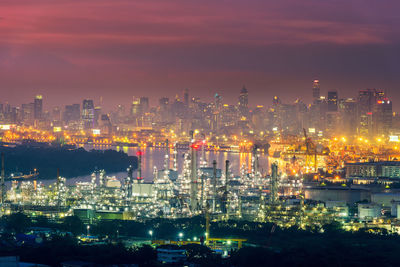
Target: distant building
{"type": "Point", "coordinates": [332, 101]}
{"type": "Point", "coordinates": [72, 113]}
{"type": "Point", "coordinates": [243, 102]}
{"type": "Point", "coordinates": [88, 113]}
{"type": "Point", "coordinates": [316, 92]}
{"type": "Point", "coordinates": [38, 107]}
{"type": "Point", "coordinates": [384, 169]}
{"type": "Point", "coordinates": [382, 115]}
{"type": "Point", "coordinates": [369, 211]}
{"type": "Point", "coordinates": [171, 255]}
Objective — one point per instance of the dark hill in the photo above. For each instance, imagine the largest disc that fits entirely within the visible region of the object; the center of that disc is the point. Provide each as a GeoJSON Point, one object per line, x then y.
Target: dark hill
{"type": "Point", "coordinates": [72, 163]}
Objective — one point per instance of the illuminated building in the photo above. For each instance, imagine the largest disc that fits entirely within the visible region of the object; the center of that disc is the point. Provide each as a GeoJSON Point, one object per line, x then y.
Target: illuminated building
{"type": "Point", "coordinates": [136, 108]}
{"type": "Point", "coordinates": [186, 97]}
{"type": "Point", "coordinates": [332, 101]}
{"type": "Point", "coordinates": [88, 113]}
{"type": "Point", "coordinates": [72, 113]}
{"type": "Point", "coordinates": [316, 93]}
{"type": "Point", "coordinates": [243, 102]}
{"type": "Point", "coordinates": [38, 107]}
{"type": "Point", "coordinates": [144, 103]}
{"type": "Point", "coordinates": [382, 115]}
{"type": "Point", "coordinates": [348, 116]}
{"type": "Point", "coordinates": [366, 101]}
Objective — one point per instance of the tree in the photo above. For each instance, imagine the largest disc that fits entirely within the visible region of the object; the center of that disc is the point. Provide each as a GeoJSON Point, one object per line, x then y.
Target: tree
{"type": "Point", "coordinates": [73, 224]}
{"type": "Point", "coordinates": [18, 222]}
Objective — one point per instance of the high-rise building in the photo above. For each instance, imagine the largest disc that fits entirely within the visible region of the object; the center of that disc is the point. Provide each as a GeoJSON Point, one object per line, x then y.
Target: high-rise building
{"type": "Point", "coordinates": [348, 116]}
{"type": "Point", "coordinates": [366, 101]}
{"type": "Point", "coordinates": [186, 97]}
{"type": "Point", "coordinates": [27, 113]}
{"type": "Point", "coordinates": [243, 102]}
{"type": "Point", "coordinates": [332, 101]}
{"type": "Point", "coordinates": [72, 113]}
{"type": "Point", "coordinates": [144, 103]}
{"type": "Point", "coordinates": [88, 113]}
{"type": "Point", "coordinates": [38, 107]}
{"type": "Point", "coordinates": [316, 92]}
{"type": "Point", "coordinates": [382, 115]}
{"type": "Point", "coordinates": [136, 108]}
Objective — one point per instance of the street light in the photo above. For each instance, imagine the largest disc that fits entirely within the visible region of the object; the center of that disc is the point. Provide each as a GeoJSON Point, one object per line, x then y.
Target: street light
{"type": "Point", "coordinates": [180, 235]}
{"type": "Point", "coordinates": [151, 234]}
{"type": "Point", "coordinates": [87, 230]}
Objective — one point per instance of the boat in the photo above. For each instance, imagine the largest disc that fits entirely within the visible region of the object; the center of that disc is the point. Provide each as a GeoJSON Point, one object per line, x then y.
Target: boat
{"type": "Point", "coordinates": [21, 176]}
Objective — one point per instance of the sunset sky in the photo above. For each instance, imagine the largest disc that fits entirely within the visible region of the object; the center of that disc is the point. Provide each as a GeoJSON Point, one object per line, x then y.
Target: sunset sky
{"type": "Point", "coordinates": [69, 50]}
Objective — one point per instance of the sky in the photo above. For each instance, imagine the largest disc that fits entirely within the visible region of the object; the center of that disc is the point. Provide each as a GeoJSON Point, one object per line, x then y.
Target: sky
{"type": "Point", "coordinates": [68, 50]}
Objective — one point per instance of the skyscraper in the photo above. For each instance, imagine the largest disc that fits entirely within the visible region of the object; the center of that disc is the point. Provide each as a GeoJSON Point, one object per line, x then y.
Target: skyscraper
{"type": "Point", "coordinates": [243, 102]}
{"type": "Point", "coordinates": [38, 107]}
{"type": "Point", "coordinates": [72, 113]}
{"type": "Point", "coordinates": [186, 97]}
{"type": "Point", "coordinates": [144, 103]}
{"type": "Point", "coordinates": [88, 113]}
{"type": "Point", "coordinates": [332, 101]}
{"type": "Point", "coordinates": [316, 92]}
{"type": "Point", "coordinates": [382, 115]}
{"type": "Point", "coordinates": [367, 99]}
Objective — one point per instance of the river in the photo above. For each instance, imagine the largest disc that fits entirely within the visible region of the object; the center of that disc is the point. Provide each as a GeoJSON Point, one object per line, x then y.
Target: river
{"type": "Point", "coordinates": [155, 157]}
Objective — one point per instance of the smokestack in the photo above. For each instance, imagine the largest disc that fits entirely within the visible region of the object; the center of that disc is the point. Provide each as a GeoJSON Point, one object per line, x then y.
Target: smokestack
{"type": "Point", "coordinates": [226, 204]}
{"type": "Point", "coordinates": [3, 188]}
{"type": "Point", "coordinates": [214, 184]}
{"type": "Point", "coordinates": [193, 182]}
{"type": "Point", "coordinates": [139, 171]}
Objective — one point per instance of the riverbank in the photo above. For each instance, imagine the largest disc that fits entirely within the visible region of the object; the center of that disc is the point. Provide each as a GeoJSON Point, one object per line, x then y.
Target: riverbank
{"type": "Point", "coordinates": [71, 162]}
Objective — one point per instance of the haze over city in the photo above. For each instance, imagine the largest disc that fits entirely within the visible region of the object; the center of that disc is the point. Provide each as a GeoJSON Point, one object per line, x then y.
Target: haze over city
{"type": "Point", "coordinates": [69, 50]}
{"type": "Point", "coordinates": [199, 133]}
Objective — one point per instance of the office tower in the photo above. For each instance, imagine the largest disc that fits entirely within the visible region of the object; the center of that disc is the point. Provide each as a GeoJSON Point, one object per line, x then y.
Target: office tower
{"type": "Point", "coordinates": [276, 101]}
{"type": "Point", "coordinates": [88, 113]}
{"type": "Point", "coordinates": [348, 116]}
{"type": "Point", "coordinates": [218, 102]}
{"type": "Point", "coordinates": [186, 97]}
{"type": "Point", "coordinates": [72, 113]}
{"type": "Point", "coordinates": [366, 101]}
{"type": "Point", "coordinates": [27, 113]}
{"type": "Point", "coordinates": [316, 93]}
{"type": "Point", "coordinates": [144, 103]}
{"type": "Point", "coordinates": [136, 108]}
{"type": "Point", "coordinates": [243, 102]}
{"type": "Point", "coordinates": [38, 107]}
{"type": "Point", "coordinates": [56, 114]}
{"type": "Point", "coordinates": [97, 114]}
{"type": "Point", "coordinates": [332, 101]}
{"type": "Point", "coordinates": [382, 115]}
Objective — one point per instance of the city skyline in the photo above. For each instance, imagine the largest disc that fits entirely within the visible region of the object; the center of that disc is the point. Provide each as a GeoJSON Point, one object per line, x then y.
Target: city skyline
{"type": "Point", "coordinates": [72, 51]}
{"type": "Point", "coordinates": [99, 100]}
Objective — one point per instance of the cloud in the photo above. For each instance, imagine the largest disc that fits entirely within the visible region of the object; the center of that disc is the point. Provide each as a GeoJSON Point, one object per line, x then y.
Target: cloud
{"type": "Point", "coordinates": [156, 44]}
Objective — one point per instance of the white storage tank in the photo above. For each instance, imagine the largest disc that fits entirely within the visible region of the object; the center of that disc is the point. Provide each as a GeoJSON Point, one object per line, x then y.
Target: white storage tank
{"type": "Point", "coordinates": [368, 211]}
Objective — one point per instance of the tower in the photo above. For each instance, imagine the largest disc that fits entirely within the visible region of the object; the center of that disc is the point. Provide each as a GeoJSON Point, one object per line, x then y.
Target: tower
{"type": "Point", "coordinates": [243, 101]}
{"type": "Point", "coordinates": [214, 185]}
{"type": "Point", "coordinates": [316, 92]}
{"type": "Point", "coordinates": [332, 101]}
{"type": "Point", "coordinates": [2, 184]}
{"type": "Point", "coordinates": [186, 97]}
{"type": "Point", "coordinates": [273, 198]}
{"type": "Point", "coordinates": [88, 113]}
{"type": "Point", "coordinates": [38, 107]}
{"type": "Point", "coordinates": [193, 177]}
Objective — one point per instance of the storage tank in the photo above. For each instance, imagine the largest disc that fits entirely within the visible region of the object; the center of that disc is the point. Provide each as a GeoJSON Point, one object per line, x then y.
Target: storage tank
{"type": "Point", "coordinates": [369, 211]}
{"type": "Point", "coordinates": [349, 195]}
{"type": "Point", "coordinates": [385, 199]}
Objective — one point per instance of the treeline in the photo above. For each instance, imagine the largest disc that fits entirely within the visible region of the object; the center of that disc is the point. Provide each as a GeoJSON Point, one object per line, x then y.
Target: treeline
{"type": "Point", "coordinates": [72, 163]}
{"type": "Point", "coordinates": [267, 245]}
